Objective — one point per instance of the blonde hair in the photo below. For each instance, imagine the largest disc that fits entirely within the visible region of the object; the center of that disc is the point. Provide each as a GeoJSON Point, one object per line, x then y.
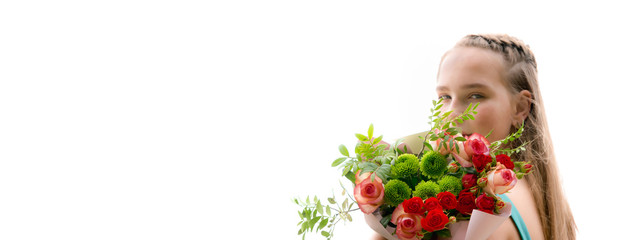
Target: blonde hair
{"type": "Point", "coordinates": [555, 214]}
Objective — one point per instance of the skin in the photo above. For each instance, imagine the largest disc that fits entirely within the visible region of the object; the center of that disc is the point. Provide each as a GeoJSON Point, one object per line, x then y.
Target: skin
{"type": "Point", "coordinates": [471, 75]}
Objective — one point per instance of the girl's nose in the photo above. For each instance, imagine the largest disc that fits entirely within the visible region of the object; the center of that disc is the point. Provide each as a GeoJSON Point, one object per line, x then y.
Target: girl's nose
{"type": "Point", "coordinates": [457, 107]}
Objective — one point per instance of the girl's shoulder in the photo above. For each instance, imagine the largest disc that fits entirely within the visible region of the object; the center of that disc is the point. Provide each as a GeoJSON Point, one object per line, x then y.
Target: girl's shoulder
{"type": "Point", "coordinates": [521, 196]}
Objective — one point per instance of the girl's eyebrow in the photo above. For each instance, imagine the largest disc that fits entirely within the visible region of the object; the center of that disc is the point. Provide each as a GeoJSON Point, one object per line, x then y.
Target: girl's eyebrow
{"type": "Point", "coordinates": [474, 85]}
{"type": "Point", "coordinates": [467, 86]}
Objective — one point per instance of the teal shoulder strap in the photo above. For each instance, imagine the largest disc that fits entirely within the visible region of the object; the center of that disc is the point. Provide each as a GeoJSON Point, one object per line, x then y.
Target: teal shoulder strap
{"type": "Point", "coordinates": [516, 218]}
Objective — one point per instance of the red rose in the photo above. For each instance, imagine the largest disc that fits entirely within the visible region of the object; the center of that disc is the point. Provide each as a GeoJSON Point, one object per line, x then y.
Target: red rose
{"type": "Point", "coordinates": [480, 161]}
{"type": "Point", "coordinates": [466, 202]}
{"type": "Point", "coordinates": [447, 200]}
{"type": "Point", "coordinates": [414, 205]}
{"type": "Point", "coordinates": [486, 203]}
{"type": "Point", "coordinates": [505, 160]}
{"type": "Point", "coordinates": [432, 203]}
{"type": "Point", "coordinates": [527, 168]}
{"type": "Point", "coordinates": [469, 180]}
{"type": "Point", "coordinates": [434, 221]}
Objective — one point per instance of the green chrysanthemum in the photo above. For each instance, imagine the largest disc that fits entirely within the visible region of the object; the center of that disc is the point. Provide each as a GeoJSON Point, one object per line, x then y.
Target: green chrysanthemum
{"type": "Point", "coordinates": [405, 157]}
{"type": "Point", "coordinates": [433, 164]}
{"type": "Point", "coordinates": [450, 184]}
{"type": "Point", "coordinates": [395, 192]}
{"type": "Point", "coordinates": [425, 190]}
{"type": "Point", "coordinates": [406, 165]}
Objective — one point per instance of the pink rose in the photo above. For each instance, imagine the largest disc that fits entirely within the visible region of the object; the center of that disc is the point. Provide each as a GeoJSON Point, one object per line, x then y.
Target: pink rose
{"type": "Point", "coordinates": [476, 144]}
{"type": "Point", "coordinates": [500, 180]}
{"type": "Point", "coordinates": [462, 157]}
{"type": "Point", "coordinates": [408, 224]}
{"type": "Point", "coordinates": [369, 194]}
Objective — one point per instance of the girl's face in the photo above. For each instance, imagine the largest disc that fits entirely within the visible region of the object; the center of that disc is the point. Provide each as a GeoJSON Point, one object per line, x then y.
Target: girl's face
{"type": "Point", "coordinates": [471, 75]}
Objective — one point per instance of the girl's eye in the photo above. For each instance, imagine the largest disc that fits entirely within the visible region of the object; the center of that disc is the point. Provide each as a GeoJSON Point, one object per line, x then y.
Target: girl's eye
{"type": "Point", "coordinates": [476, 96]}
{"type": "Point", "coordinates": [444, 97]}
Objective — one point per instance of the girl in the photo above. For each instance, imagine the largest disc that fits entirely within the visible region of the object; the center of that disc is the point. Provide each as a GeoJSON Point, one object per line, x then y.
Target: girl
{"type": "Point", "coordinates": [499, 72]}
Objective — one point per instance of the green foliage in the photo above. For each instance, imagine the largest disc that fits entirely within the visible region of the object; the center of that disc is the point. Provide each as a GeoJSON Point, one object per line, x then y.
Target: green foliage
{"type": "Point", "coordinates": [496, 146]}
{"type": "Point", "coordinates": [406, 166]}
{"type": "Point", "coordinates": [447, 126]}
{"type": "Point", "coordinates": [426, 189]}
{"type": "Point", "coordinates": [450, 184]}
{"type": "Point", "coordinates": [395, 192]}
{"type": "Point", "coordinates": [433, 164]}
{"type": "Point", "coordinates": [316, 216]}
{"type": "Point", "coordinates": [382, 171]}
{"type": "Point", "coordinates": [371, 156]}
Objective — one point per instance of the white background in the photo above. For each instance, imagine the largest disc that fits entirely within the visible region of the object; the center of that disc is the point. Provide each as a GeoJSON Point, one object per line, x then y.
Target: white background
{"type": "Point", "coordinates": [196, 120]}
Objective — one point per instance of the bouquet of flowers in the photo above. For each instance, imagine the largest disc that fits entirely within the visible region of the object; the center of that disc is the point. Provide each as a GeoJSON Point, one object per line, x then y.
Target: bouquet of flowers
{"type": "Point", "coordinates": [454, 178]}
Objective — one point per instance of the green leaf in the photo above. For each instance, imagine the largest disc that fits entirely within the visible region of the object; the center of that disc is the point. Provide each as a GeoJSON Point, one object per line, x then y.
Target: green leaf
{"type": "Point", "coordinates": [370, 131]}
{"type": "Point", "coordinates": [351, 176]}
{"type": "Point", "coordinates": [460, 139]}
{"type": "Point", "coordinates": [338, 161]}
{"type": "Point", "coordinates": [345, 204]}
{"type": "Point", "coordinates": [304, 226]}
{"type": "Point", "coordinates": [343, 150]}
{"type": "Point", "coordinates": [385, 220]}
{"type": "Point", "coordinates": [361, 137]}
{"type": "Point", "coordinates": [377, 140]}
{"type": "Point", "coordinates": [312, 222]}
{"type": "Point", "coordinates": [325, 234]}
{"type": "Point", "coordinates": [322, 224]}
{"type": "Point", "coordinates": [428, 145]}
{"type": "Point", "coordinates": [331, 200]}
{"type": "Point", "coordinates": [346, 169]}
{"type": "Point", "coordinates": [319, 208]}
{"type": "Point", "coordinates": [349, 217]}
{"type": "Point", "coordinates": [328, 212]}
{"type": "Point", "coordinates": [445, 233]}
